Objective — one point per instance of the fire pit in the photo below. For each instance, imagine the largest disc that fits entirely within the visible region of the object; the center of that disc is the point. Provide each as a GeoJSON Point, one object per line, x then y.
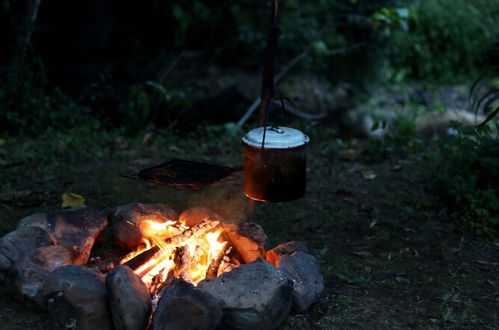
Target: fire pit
{"type": "Point", "coordinates": [141, 266]}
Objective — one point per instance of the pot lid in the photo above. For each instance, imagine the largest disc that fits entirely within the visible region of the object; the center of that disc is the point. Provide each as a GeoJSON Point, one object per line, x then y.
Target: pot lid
{"type": "Point", "coordinates": [276, 137]}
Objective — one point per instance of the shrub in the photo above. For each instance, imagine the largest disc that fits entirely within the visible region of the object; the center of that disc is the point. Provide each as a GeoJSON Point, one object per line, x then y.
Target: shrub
{"type": "Point", "coordinates": [28, 105]}
{"type": "Point", "coordinates": [467, 169]}
{"type": "Point", "coordinates": [446, 41]}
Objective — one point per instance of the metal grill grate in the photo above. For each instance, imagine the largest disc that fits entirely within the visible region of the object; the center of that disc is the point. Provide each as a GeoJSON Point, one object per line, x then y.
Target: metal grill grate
{"type": "Point", "coordinates": [187, 173]}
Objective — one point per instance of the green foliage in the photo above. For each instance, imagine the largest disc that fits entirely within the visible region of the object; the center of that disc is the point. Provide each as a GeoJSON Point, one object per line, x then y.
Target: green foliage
{"type": "Point", "coordinates": [399, 139]}
{"type": "Point", "coordinates": [27, 105]}
{"type": "Point", "coordinates": [446, 40]}
{"type": "Point", "coordinates": [151, 102]}
{"type": "Point", "coordinates": [467, 168]}
{"type": "Point", "coordinates": [236, 32]}
{"type": "Point", "coordinates": [484, 96]}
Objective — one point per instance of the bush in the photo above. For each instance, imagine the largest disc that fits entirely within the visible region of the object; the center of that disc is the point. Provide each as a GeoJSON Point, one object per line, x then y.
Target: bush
{"type": "Point", "coordinates": [28, 105]}
{"type": "Point", "coordinates": [467, 169]}
{"type": "Point", "coordinates": [446, 40]}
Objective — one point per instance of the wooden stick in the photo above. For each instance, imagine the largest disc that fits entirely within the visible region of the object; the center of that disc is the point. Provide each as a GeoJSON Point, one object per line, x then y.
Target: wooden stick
{"type": "Point", "coordinates": [268, 71]}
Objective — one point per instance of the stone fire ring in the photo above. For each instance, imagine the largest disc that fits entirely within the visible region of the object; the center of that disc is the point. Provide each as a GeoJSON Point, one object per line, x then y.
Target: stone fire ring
{"type": "Point", "coordinates": [45, 263]}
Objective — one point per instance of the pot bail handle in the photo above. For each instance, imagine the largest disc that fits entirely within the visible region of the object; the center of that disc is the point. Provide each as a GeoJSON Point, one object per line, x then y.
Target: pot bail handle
{"type": "Point", "coordinates": [272, 128]}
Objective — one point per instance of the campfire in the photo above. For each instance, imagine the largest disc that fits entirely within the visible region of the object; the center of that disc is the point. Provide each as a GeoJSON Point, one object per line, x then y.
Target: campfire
{"type": "Point", "coordinates": [173, 250]}
{"type": "Point", "coordinates": [153, 269]}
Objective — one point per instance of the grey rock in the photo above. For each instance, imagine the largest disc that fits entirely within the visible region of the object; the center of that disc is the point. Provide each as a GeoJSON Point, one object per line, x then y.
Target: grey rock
{"type": "Point", "coordinates": [26, 279]}
{"type": "Point", "coordinates": [76, 228]}
{"type": "Point", "coordinates": [77, 298]}
{"type": "Point", "coordinates": [20, 242]}
{"type": "Point", "coordinates": [256, 295]}
{"type": "Point", "coordinates": [248, 240]}
{"type": "Point", "coordinates": [127, 219]}
{"type": "Point", "coordinates": [129, 299]}
{"type": "Point", "coordinates": [304, 270]}
{"type": "Point", "coordinates": [194, 215]}
{"type": "Point", "coordinates": [185, 307]}
{"type": "Point", "coordinates": [287, 248]}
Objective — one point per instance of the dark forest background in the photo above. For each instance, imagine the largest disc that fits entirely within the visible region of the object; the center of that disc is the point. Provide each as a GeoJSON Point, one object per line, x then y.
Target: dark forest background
{"type": "Point", "coordinates": [133, 64]}
{"type": "Point", "coordinates": [400, 99]}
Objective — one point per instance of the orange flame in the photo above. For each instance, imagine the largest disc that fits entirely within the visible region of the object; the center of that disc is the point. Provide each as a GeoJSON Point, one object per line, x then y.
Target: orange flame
{"type": "Point", "coordinates": [201, 252]}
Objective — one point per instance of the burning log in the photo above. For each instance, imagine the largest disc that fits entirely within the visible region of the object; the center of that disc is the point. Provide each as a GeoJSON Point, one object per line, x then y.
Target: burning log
{"type": "Point", "coordinates": [215, 264]}
{"type": "Point", "coordinates": [160, 281]}
{"type": "Point", "coordinates": [142, 258]}
{"type": "Point", "coordinates": [182, 263]}
{"type": "Point", "coordinates": [170, 244]}
{"type": "Point", "coordinates": [231, 260]}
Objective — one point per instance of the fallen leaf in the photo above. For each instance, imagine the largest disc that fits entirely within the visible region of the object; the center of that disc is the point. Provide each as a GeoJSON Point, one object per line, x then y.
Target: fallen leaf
{"type": "Point", "coordinates": [147, 139]}
{"type": "Point", "coordinates": [71, 200]}
{"type": "Point", "coordinates": [2, 142]}
{"type": "Point", "coordinates": [349, 154]}
{"type": "Point", "coordinates": [368, 175]}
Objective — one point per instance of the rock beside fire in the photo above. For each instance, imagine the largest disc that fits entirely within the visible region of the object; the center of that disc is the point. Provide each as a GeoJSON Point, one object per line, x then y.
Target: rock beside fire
{"type": "Point", "coordinates": [273, 256]}
{"type": "Point", "coordinates": [77, 298]}
{"type": "Point", "coordinates": [304, 270]}
{"type": "Point", "coordinates": [248, 239]}
{"type": "Point", "coordinates": [127, 219]}
{"type": "Point", "coordinates": [129, 299]}
{"type": "Point", "coordinates": [185, 307]}
{"type": "Point", "coordinates": [27, 277]}
{"type": "Point", "coordinates": [194, 215]}
{"type": "Point", "coordinates": [256, 295]}
{"type": "Point", "coordinates": [20, 242]}
{"type": "Point", "coordinates": [76, 228]}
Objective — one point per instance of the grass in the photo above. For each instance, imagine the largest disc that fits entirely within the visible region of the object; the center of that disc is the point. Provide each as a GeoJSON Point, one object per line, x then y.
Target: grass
{"type": "Point", "coordinates": [388, 256]}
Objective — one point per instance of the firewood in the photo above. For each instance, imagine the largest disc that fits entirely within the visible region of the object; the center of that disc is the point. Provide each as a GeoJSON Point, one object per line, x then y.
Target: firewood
{"type": "Point", "coordinates": [170, 244]}
{"type": "Point", "coordinates": [159, 282]}
{"type": "Point", "coordinates": [182, 263]}
{"type": "Point", "coordinates": [140, 259]}
{"type": "Point", "coordinates": [212, 270]}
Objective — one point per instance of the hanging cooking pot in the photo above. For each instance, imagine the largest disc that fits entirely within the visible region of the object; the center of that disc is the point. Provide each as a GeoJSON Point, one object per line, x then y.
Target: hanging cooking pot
{"type": "Point", "coordinates": [274, 163]}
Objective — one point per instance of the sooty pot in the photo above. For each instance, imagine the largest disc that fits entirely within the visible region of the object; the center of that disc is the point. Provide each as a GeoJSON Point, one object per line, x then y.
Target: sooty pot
{"type": "Point", "coordinates": [275, 162]}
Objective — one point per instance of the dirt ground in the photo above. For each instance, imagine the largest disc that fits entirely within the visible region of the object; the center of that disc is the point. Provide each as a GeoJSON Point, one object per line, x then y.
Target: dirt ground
{"type": "Point", "coordinates": [389, 256]}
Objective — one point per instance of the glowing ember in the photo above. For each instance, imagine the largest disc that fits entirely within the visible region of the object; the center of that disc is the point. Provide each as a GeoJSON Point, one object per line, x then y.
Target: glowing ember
{"type": "Point", "coordinates": [191, 253]}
